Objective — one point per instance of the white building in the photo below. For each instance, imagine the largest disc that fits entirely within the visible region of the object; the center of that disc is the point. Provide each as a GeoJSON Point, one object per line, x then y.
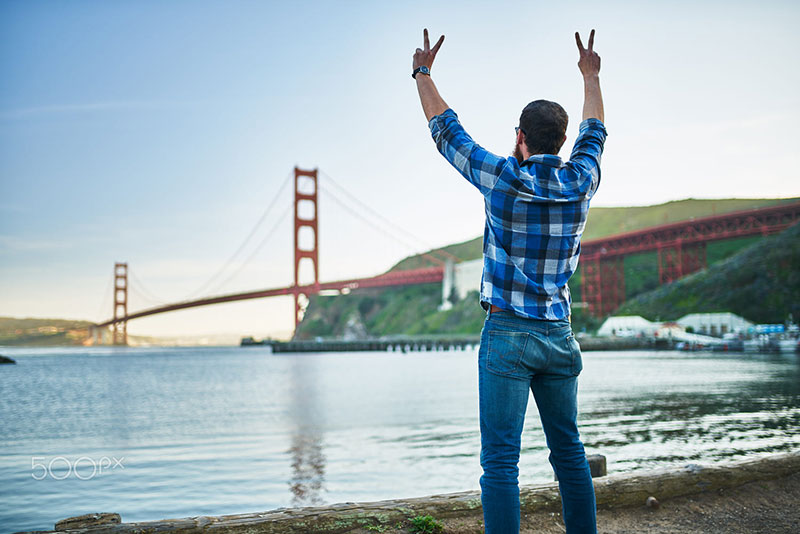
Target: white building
{"type": "Point", "coordinates": [628, 326]}
{"type": "Point", "coordinates": [462, 277]}
{"type": "Point", "coordinates": [715, 324]}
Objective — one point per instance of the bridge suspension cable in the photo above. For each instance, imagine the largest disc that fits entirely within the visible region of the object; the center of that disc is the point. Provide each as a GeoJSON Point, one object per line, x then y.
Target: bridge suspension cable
{"type": "Point", "coordinates": [397, 228]}
{"type": "Point", "coordinates": [272, 232]}
{"type": "Point", "coordinates": [244, 243]}
{"type": "Point", "coordinates": [138, 286]}
{"type": "Point", "coordinates": [371, 224]}
{"type": "Point", "coordinates": [106, 300]}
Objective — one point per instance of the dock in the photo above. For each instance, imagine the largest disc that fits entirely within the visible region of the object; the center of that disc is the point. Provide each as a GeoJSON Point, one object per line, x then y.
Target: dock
{"type": "Point", "coordinates": [431, 344]}
{"type": "Point", "coordinates": [439, 343]}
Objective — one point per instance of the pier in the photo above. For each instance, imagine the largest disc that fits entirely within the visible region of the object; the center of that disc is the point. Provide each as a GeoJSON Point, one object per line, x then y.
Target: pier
{"type": "Point", "coordinates": [430, 344]}
{"type": "Point", "coordinates": [436, 344]}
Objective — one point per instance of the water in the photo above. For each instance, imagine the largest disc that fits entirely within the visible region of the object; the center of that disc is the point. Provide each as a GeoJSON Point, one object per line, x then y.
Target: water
{"type": "Point", "coordinates": [166, 433]}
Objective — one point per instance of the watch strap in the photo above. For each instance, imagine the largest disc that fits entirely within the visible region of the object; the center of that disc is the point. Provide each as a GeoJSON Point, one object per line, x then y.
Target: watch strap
{"type": "Point", "coordinates": [421, 70]}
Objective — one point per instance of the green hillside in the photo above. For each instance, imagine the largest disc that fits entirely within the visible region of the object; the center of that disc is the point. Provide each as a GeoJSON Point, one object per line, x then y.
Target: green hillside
{"type": "Point", "coordinates": [42, 332]}
{"type": "Point", "coordinates": [409, 310]}
{"type": "Point", "coordinates": [760, 283]}
{"type": "Point", "coordinates": [609, 221]}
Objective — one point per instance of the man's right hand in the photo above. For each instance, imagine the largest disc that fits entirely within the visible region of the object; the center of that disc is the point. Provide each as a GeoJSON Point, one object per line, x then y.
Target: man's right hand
{"type": "Point", "coordinates": [589, 61]}
{"type": "Point", "coordinates": [426, 56]}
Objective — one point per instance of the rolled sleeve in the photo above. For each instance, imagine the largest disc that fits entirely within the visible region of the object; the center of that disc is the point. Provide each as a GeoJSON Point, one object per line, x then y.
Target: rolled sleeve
{"type": "Point", "coordinates": [479, 166]}
{"type": "Point", "coordinates": [586, 154]}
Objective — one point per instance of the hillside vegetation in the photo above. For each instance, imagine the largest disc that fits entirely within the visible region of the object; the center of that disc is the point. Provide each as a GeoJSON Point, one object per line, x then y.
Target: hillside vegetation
{"type": "Point", "coordinates": [400, 311]}
{"type": "Point", "coordinates": [42, 332]}
{"type": "Point", "coordinates": [761, 283]}
{"type": "Point", "coordinates": [604, 222]}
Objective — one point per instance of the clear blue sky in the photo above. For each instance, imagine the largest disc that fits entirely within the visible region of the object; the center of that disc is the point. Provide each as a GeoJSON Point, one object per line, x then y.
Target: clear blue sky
{"type": "Point", "coordinates": [157, 132]}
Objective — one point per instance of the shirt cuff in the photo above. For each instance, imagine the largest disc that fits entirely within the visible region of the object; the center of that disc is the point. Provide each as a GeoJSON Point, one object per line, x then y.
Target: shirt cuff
{"type": "Point", "coordinates": [592, 124]}
{"type": "Point", "coordinates": [437, 119]}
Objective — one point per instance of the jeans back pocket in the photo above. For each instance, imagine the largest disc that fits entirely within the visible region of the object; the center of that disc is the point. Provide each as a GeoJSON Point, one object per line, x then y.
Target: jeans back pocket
{"type": "Point", "coordinates": [575, 352]}
{"type": "Point", "coordinates": [505, 352]}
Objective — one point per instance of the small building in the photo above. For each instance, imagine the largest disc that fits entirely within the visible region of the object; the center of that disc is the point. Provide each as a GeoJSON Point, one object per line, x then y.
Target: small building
{"type": "Point", "coordinates": [460, 279]}
{"type": "Point", "coordinates": [715, 324]}
{"type": "Point", "coordinates": [628, 326]}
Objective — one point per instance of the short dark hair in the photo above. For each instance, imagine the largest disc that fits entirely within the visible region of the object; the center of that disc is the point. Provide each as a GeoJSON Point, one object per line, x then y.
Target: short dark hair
{"type": "Point", "coordinates": [544, 124]}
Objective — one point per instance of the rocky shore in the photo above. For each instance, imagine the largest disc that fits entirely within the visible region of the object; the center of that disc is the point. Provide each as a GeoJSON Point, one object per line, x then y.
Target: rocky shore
{"type": "Point", "coordinates": [746, 496]}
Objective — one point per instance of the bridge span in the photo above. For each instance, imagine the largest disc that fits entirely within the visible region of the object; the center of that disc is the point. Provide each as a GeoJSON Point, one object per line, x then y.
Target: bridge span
{"type": "Point", "coordinates": [680, 247]}
{"type": "Point", "coordinates": [427, 275]}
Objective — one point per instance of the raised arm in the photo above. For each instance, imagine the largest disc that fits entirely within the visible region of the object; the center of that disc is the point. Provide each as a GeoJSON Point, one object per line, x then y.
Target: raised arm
{"type": "Point", "coordinates": [589, 63]}
{"type": "Point", "coordinates": [479, 166]}
{"type": "Point", "coordinates": [432, 102]}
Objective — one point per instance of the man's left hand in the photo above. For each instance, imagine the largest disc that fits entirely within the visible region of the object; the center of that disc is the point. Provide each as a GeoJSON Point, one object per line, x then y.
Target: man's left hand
{"type": "Point", "coordinates": [427, 55]}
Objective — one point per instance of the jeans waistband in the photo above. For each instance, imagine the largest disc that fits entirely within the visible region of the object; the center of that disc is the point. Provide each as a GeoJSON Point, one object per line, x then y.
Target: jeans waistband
{"type": "Point", "coordinates": [507, 317]}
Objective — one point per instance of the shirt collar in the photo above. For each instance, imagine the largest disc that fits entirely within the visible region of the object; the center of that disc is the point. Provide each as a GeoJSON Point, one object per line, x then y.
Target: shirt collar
{"type": "Point", "coordinates": [550, 160]}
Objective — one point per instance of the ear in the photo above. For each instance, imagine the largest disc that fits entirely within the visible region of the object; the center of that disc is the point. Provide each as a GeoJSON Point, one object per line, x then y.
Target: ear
{"type": "Point", "coordinates": [520, 138]}
{"type": "Point", "coordinates": [564, 140]}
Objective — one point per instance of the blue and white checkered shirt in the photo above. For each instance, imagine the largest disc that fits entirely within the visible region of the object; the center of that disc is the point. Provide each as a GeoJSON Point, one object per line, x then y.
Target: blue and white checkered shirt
{"type": "Point", "coordinates": [535, 216]}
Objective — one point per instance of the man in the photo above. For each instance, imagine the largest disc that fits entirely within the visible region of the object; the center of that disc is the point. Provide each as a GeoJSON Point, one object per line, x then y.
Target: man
{"type": "Point", "coordinates": [536, 209]}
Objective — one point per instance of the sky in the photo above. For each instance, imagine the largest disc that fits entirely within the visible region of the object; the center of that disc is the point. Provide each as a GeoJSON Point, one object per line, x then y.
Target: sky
{"type": "Point", "coordinates": [160, 133]}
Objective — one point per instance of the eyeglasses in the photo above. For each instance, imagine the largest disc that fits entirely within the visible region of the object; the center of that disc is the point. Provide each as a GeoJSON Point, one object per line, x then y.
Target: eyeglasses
{"type": "Point", "coordinates": [517, 129]}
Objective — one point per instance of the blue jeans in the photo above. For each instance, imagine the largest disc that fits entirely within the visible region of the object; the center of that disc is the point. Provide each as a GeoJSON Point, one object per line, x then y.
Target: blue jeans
{"type": "Point", "coordinates": [517, 355]}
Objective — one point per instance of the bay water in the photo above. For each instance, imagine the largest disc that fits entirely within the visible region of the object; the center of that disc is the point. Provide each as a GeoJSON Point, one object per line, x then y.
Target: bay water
{"type": "Point", "coordinates": [156, 433]}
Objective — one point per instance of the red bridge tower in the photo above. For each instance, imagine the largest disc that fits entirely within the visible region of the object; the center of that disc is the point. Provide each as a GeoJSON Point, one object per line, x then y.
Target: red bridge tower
{"type": "Point", "coordinates": [119, 332]}
{"type": "Point", "coordinates": [308, 196]}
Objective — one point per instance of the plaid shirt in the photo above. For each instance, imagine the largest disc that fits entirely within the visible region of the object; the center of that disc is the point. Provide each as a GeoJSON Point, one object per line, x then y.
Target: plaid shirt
{"type": "Point", "coordinates": [535, 215]}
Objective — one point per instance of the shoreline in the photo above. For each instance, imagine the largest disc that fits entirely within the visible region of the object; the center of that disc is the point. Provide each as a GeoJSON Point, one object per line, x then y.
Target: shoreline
{"type": "Point", "coordinates": [461, 512]}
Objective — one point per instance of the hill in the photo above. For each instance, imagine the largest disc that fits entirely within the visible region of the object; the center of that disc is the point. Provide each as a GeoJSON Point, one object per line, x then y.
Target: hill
{"type": "Point", "coordinates": [609, 221]}
{"type": "Point", "coordinates": [760, 283]}
{"type": "Point", "coordinates": [409, 310]}
{"type": "Point", "coordinates": [42, 332]}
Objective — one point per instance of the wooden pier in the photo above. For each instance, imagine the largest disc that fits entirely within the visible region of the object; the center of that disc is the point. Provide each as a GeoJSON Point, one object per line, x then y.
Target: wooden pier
{"type": "Point", "coordinates": [370, 345]}
{"type": "Point", "coordinates": [440, 343]}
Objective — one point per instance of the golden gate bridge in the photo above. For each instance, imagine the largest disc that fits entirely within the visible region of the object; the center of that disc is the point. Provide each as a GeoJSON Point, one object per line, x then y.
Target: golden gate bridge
{"type": "Point", "coordinates": [680, 246]}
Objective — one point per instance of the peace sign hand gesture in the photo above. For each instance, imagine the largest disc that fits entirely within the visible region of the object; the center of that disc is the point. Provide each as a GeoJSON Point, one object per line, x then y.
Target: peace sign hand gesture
{"type": "Point", "coordinates": [425, 57]}
{"type": "Point", "coordinates": [589, 61]}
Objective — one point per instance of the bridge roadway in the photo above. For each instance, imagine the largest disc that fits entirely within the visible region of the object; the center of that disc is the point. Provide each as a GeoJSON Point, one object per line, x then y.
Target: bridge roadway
{"type": "Point", "coordinates": [395, 278]}
{"type": "Point", "coordinates": [762, 221]}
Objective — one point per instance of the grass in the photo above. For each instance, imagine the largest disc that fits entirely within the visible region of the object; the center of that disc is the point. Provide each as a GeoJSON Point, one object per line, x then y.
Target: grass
{"type": "Point", "coordinates": [426, 524]}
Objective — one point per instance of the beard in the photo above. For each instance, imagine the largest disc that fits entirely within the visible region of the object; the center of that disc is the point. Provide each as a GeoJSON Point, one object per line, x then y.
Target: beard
{"type": "Point", "coordinates": [518, 155]}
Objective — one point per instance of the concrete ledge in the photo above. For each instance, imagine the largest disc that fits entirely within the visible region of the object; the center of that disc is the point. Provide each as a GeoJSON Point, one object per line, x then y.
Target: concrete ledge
{"type": "Point", "coordinates": [626, 489]}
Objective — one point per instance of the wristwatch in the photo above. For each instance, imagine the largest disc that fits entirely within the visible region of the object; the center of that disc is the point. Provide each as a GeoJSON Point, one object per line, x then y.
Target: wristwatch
{"type": "Point", "coordinates": [421, 70]}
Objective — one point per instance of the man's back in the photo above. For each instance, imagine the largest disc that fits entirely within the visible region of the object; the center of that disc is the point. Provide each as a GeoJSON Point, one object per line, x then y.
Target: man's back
{"type": "Point", "coordinates": [535, 215]}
